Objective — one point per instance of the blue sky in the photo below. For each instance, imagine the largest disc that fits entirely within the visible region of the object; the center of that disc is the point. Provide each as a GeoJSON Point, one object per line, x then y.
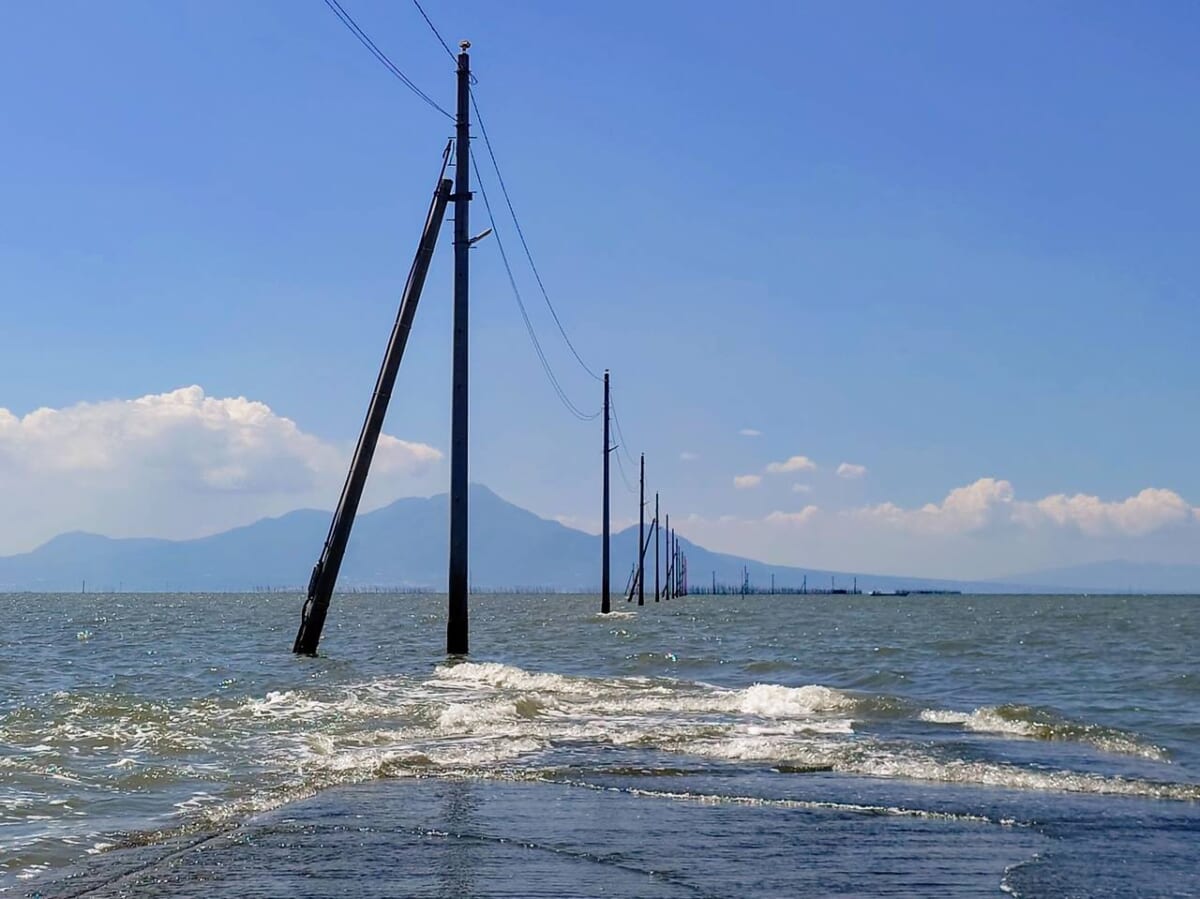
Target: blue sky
{"type": "Point", "coordinates": [946, 242]}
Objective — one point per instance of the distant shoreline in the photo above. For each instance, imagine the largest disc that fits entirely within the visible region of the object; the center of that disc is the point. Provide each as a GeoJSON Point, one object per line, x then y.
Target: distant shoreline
{"type": "Point", "coordinates": [617, 599]}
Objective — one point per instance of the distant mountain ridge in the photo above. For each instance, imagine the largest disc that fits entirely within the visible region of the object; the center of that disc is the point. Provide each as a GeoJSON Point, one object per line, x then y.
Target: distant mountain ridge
{"type": "Point", "coordinates": [404, 544]}
{"type": "Point", "coordinates": [1117, 576]}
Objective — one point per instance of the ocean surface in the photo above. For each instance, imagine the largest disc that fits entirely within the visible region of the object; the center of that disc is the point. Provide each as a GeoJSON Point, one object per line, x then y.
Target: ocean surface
{"type": "Point", "coordinates": [706, 746]}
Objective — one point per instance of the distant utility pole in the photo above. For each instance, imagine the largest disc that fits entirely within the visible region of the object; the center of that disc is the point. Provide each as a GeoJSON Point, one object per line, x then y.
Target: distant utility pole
{"type": "Point", "coordinates": [457, 630]}
{"type": "Point", "coordinates": [642, 534]}
{"type": "Point", "coordinates": [670, 560]}
{"type": "Point", "coordinates": [657, 541]}
{"type": "Point", "coordinates": [605, 599]}
{"type": "Point", "coordinates": [675, 565]}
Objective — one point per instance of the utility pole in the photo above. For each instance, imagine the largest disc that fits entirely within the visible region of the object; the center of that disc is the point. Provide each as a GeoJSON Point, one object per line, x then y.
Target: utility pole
{"type": "Point", "coordinates": [605, 599]}
{"type": "Point", "coordinates": [675, 565]}
{"type": "Point", "coordinates": [325, 572]}
{"type": "Point", "coordinates": [642, 534]}
{"type": "Point", "coordinates": [670, 573]}
{"type": "Point", "coordinates": [657, 541]}
{"type": "Point", "coordinates": [457, 631]}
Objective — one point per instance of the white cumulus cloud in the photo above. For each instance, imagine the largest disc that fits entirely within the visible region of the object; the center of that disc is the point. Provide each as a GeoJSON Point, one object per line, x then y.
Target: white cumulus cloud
{"type": "Point", "coordinates": [965, 509]}
{"type": "Point", "coordinates": [850, 471]}
{"type": "Point", "coordinates": [990, 501]}
{"type": "Point", "coordinates": [745, 481]}
{"type": "Point", "coordinates": [802, 517]}
{"type": "Point", "coordinates": [173, 464]}
{"type": "Point", "coordinates": [1150, 510]}
{"type": "Point", "coordinates": [978, 530]}
{"type": "Point", "coordinates": [792, 464]}
{"type": "Point", "coordinates": [801, 488]}
{"type": "Point", "coordinates": [750, 432]}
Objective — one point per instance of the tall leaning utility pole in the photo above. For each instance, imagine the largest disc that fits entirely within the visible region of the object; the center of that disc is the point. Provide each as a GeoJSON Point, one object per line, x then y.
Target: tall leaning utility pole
{"type": "Point", "coordinates": [325, 572]}
{"type": "Point", "coordinates": [642, 534]}
{"type": "Point", "coordinates": [457, 639]}
{"type": "Point", "coordinates": [605, 600]}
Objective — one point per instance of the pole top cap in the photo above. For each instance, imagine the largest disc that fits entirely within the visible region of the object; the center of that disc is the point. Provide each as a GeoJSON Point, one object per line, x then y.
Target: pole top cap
{"type": "Point", "coordinates": [464, 46]}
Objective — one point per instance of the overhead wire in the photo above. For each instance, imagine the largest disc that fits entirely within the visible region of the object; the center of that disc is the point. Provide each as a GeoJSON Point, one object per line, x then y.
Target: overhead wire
{"type": "Point", "coordinates": [433, 28]}
{"type": "Point", "coordinates": [525, 244]}
{"type": "Point", "coordinates": [624, 477]}
{"type": "Point", "coordinates": [621, 442]}
{"type": "Point", "coordinates": [348, 20]}
{"type": "Point", "coordinates": [533, 339]}
{"type": "Point", "coordinates": [363, 38]}
{"type": "Point", "coordinates": [621, 447]}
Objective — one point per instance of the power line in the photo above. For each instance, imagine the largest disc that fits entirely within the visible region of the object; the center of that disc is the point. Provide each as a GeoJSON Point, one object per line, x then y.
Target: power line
{"type": "Point", "coordinates": [620, 433]}
{"type": "Point", "coordinates": [525, 244]}
{"type": "Point", "coordinates": [347, 20]}
{"type": "Point", "coordinates": [624, 477]}
{"type": "Point", "coordinates": [537, 346]}
{"type": "Point", "coordinates": [433, 28]}
{"type": "Point", "coordinates": [542, 287]}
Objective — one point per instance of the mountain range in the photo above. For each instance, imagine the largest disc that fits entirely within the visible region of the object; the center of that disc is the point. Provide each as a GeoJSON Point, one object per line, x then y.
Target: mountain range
{"type": "Point", "coordinates": [404, 545]}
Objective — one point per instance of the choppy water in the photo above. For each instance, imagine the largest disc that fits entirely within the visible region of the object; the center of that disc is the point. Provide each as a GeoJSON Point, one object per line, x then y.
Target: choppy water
{"type": "Point", "coordinates": [1064, 732]}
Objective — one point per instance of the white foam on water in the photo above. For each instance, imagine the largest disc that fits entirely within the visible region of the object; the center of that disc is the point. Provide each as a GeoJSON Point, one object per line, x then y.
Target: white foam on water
{"type": "Point", "coordinates": [471, 717]}
{"type": "Point", "coordinates": [375, 699]}
{"type": "Point", "coordinates": [1037, 724]}
{"type": "Point", "coordinates": [227, 757]}
{"type": "Point", "coordinates": [748, 747]}
{"type": "Point", "coordinates": [982, 720]}
{"type": "Point", "coordinates": [769, 802]}
{"type": "Point", "coordinates": [776, 701]}
{"type": "Point", "coordinates": [873, 759]}
{"type": "Point", "coordinates": [509, 677]}
{"type": "Point", "coordinates": [914, 766]}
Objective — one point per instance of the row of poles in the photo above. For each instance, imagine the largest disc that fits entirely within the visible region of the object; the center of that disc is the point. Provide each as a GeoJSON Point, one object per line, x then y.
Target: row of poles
{"type": "Point", "coordinates": [674, 582]}
{"type": "Point", "coordinates": [325, 572]}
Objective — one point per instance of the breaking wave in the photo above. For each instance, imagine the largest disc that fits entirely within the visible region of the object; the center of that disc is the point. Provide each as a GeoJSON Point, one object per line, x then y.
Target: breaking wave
{"type": "Point", "coordinates": [1044, 724]}
{"type": "Point", "coordinates": [213, 760]}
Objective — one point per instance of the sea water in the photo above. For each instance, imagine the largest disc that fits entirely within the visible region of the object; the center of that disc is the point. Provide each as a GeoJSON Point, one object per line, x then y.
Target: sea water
{"type": "Point", "coordinates": [765, 745]}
